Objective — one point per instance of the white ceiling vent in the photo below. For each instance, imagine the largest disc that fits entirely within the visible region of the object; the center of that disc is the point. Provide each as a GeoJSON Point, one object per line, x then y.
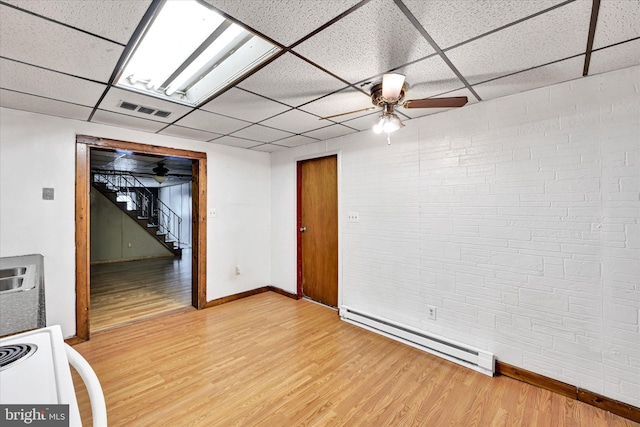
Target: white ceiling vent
{"type": "Point", "coordinates": [144, 110]}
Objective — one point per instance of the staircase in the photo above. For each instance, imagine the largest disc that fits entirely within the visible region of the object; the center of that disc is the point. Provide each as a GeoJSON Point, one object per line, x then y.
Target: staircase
{"type": "Point", "coordinates": [144, 207]}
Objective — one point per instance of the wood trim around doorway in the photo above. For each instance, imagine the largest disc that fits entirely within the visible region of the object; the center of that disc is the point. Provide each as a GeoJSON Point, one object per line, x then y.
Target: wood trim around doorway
{"type": "Point", "coordinates": [82, 218]}
{"type": "Point", "coordinates": [298, 225]}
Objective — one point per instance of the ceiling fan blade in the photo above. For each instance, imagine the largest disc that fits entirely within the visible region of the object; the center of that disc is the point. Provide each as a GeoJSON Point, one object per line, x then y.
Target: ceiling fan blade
{"type": "Point", "coordinates": [392, 86]}
{"type": "Point", "coordinates": [350, 112]}
{"type": "Point", "coordinates": [451, 102]}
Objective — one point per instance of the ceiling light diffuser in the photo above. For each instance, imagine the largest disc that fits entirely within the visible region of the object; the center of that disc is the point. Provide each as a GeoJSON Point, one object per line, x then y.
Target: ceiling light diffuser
{"type": "Point", "coordinates": [189, 52]}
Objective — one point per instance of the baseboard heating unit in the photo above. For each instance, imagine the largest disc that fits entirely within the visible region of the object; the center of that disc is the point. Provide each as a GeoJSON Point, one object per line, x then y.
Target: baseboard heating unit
{"type": "Point", "coordinates": [478, 360]}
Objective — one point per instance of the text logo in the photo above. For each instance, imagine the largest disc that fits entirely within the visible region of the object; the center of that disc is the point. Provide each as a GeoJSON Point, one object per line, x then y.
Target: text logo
{"type": "Point", "coordinates": [34, 415]}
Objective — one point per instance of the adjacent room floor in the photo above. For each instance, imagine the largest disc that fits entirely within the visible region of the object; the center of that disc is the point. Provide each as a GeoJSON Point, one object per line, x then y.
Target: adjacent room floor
{"type": "Point", "coordinates": [269, 360]}
{"type": "Point", "coordinates": [125, 291]}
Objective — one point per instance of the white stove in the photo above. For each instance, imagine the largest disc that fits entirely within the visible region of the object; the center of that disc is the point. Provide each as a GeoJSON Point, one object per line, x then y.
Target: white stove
{"type": "Point", "coordinates": [41, 375]}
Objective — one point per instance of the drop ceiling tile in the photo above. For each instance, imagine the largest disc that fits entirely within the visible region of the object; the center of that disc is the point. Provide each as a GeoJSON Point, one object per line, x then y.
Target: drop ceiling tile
{"type": "Point", "coordinates": [329, 132]}
{"type": "Point", "coordinates": [244, 105]}
{"type": "Point", "coordinates": [36, 104]}
{"type": "Point", "coordinates": [420, 112]}
{"type": "Point", "coordinates": [292, 81]}
{"type": "Point", "coordinates": [343, 101]}
{"type": "Point", "coordinates": [261, 133]}
{"type": "Point", "coordinates": [451, 22]}
{"type": "Point", "coordinates": [528, 44]}
{"type": "Point", "coordinates": [212, 122]}
{"type": "Point", "coordinates": [618, 21]}
{"type": "Point", "coordinates": [115, 20]}
{"type": "Point", "coordinates": [373, 39]}
{"type": "Point", "coordinates": [363, 123]}
{"type": "Point", "coordinates": [295, 121]}
{"type": "Point", "coordinates": [538, 77]}
{"type": "Point", "coordinates": [296, 141]}
{"type": "Point", "coordinates": [49, 84]}
{"type": "Point", "coordinates": [425, 112]}
{"type": "Point", "coordinates": [125, 121]}
{"type": "Point", "coordinates": [273, 19]}
{"type": "Point", "coordinates": [269, 148]}
{"type": "Point", "coordinates": [614, 58]}
{"type": "Point", "coordinates": [115, 96]}
{"type": "Point", "coordinates": [429, 77]}
{"type": "Point", "coordinates": [236, 142]}
{"type": "Point", "coordinates": [34, 40]}
{"type": "Point", "coordinates": [183, 132]}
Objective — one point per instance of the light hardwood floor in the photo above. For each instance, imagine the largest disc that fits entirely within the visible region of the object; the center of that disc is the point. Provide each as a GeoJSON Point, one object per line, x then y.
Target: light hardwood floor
{"type": "Point", "coordinates": [126, 291]}
{"type": "Point", "coordinates": [268, 360]}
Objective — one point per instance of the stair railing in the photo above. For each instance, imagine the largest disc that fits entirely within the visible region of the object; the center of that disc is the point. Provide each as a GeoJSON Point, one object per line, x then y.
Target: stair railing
{"type": "Point", "coordinates": [139, 198]}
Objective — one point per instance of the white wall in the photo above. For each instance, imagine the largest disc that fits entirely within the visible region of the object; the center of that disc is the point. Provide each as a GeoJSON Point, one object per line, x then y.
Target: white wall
{"type": "Point", "coordinates": [38, 151]}
{"type": "Point", "coordinates": [115, 236]}
{"type": "Point", "coordinates": [518, 218]}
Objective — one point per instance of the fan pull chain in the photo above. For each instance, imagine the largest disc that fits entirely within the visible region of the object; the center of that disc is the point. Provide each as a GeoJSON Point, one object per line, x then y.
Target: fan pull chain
{"type": "Point", "coordinates": [388, 139]}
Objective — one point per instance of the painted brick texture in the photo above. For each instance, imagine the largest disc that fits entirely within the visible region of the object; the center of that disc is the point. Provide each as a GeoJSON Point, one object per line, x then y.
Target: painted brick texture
{"type": "Point", "coordinates": [518, 218]}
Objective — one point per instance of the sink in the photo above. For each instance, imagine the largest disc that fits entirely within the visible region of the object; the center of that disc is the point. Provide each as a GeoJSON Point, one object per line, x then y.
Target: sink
{"type": "Point", "coordinates": [16, 279]}
{"type": "Point", "coordinates": [10, 283]}
{"type": "Point", "coordinates": [22, 296]}
{"type": "Point", "coordinates": [11, 272]}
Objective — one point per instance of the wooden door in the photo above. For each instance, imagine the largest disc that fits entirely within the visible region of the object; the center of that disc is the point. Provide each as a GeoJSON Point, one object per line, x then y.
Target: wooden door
{"type": "Point", "coordinates": [318, 230]}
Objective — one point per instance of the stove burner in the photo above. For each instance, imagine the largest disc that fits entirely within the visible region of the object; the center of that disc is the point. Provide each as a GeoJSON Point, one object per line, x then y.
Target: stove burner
{"type": "Point", "coordinates": [15, 353]}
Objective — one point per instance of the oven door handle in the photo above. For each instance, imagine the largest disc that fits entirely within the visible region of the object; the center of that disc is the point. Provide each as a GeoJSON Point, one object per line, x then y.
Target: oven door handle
{"type": "Point", "coordinates": [96, 396]}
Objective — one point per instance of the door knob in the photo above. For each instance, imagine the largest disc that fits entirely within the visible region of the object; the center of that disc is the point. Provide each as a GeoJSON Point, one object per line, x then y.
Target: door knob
{"type": "Point", "coordinates": [303, 229]}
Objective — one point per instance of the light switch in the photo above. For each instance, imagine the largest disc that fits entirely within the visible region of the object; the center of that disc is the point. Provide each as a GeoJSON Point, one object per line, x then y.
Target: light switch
{"type": "Point", "coordinates": [212, 213]}
{"type": "Point", "coordinates": [353, 217]}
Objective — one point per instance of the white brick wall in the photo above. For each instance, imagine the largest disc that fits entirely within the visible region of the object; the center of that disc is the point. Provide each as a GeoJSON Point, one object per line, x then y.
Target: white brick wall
{"type": "Point", "coordinates": [519, 218]}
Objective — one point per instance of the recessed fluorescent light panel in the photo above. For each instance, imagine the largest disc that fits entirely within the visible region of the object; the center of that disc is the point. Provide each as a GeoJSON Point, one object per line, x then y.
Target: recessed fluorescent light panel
{"type": "Point", "coordinates": [189, 52]}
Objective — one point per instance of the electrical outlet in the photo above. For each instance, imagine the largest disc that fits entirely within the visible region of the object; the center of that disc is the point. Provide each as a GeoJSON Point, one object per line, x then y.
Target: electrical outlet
{"type": "Point", "coordinates": [353, 217]}
{"type": "Point", "coordinates": [212, 213]}
{"type": "Point", "coordinates": [431, 312]}
{"type": "Point", "coordinates": [238, 270]}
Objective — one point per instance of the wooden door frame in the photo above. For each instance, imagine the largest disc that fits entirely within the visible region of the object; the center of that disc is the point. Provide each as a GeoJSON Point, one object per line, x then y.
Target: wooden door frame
{"type": "Point", "coordinates": [299, 161]}
{"type": "Point", "coordinates": [82, 217]}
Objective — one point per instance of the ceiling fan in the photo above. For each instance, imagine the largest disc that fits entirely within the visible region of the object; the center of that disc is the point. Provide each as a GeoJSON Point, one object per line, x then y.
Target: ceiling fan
{"type": "Point", "coordinates": [389, 94]}
{"type": "Point", "coordinates": [160, 173]}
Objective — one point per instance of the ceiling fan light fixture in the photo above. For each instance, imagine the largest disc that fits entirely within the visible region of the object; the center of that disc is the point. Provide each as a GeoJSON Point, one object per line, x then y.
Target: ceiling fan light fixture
{"type": "Point", "coordinates": [388, 123]}
{"type": "Point", "coordinates": [392, 124]}
{"type": "Point", "coordinates": [160, 178]}
{"type": "Point", "coordinates": [392, 84]}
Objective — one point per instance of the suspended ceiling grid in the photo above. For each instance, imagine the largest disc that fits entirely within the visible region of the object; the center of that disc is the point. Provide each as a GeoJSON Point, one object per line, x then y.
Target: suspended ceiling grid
{"type": "Point", "coordinates": [60, 57]}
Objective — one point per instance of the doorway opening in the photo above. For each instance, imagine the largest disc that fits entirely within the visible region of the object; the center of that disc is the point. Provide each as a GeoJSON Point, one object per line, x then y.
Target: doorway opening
{"type": "Point", "coordinates": [185, 250]}
{"type": "Point", "coordinates": [140, 235]}
{"type": "Point", "coordinates": [317, 209]}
